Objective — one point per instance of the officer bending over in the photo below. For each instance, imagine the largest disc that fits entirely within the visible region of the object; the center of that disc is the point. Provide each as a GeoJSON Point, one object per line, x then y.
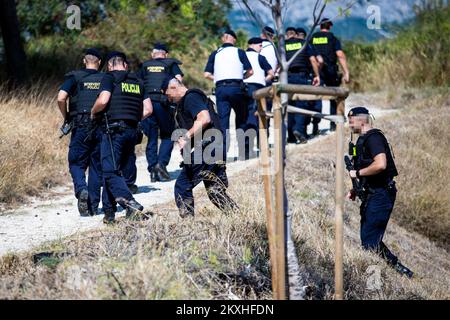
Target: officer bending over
{"type": "Point", "coordinates": [153, 73]}
{"type": "Point", "coordinates": [195, 113]}
{"type": "Point", "coordinates": [122, 104]}
{"type": "Point", "coordinates": [81, 88]}
{"type": "Point", "coordinates": [375, 168]}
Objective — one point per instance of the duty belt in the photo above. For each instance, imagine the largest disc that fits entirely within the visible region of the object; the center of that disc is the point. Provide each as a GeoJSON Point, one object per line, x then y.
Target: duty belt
{"type": "Point", "coordinates": [120, 125]}
{"type": "Point", "coordinates": [229, 83]}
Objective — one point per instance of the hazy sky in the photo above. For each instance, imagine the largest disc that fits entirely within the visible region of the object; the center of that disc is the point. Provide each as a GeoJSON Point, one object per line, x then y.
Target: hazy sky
{"type": "Point", "coordinates": [391, 10]}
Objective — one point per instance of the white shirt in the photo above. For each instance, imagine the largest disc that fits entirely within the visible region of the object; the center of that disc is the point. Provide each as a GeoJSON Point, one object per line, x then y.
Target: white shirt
{"type": "Point", "coordinates": [268, 51]}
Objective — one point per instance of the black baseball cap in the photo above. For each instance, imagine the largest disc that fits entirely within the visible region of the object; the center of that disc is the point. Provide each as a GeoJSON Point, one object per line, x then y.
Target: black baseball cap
{"type": "Point", "coordinates": [161, 46]}
{"type": "Point", "coordinates": [231, 33]}
{"type": "Point", "coordinates": [301, 30]}
{"type": "Point", "coordinates": [255, 40]}
{"type": "Point", "coordinates": [326, 20]}
{"type": "Point", "coordinates": [291, 29]}
{"type": "Point", "coordinates": [268, 30]}
{"type": "Point", "coordinates": [93, 52]}
{"type": "Point", "coordinates": [357, 111]}
{"type": "Point", "coordinates": [114, 54]}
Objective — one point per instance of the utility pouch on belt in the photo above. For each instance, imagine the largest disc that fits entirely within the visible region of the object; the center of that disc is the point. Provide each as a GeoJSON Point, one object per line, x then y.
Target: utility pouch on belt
{"type": "Point", "coordinates": [244, 87]}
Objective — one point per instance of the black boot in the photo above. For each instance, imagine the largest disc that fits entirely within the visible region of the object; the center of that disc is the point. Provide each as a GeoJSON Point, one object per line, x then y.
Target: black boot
{"type": "Point", "coordinates": [403, 270]}
{"type": "Point", "coordinates": [109, 217]}
{"type": "Point", "coordinates": [133, 208]}
{"type": "Point", "coordinates": [315, 131]}
{"type": "Point", "coordinates": [333, 127]}
{"type": "Point", "coordinates": [83, 205]}
{"type": "Point", "coordinates": [162, 172]}
{"type": "Point", "coordinates": [154, 177]}
{"type": "Point", "coordinates": [301, 139]}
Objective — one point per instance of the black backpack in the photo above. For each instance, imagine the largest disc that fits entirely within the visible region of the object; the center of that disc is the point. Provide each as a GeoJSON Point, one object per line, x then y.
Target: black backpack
{"type": "Point", "coordinates": [181, 123]}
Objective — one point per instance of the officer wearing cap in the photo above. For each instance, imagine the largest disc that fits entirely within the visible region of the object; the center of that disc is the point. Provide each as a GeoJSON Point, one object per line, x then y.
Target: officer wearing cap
{"type": "Point", "coordinates": [299, 73]}
{"type": "Point", "coordinates": [153, 73]}
{"type": "Point", "coordinates": [301, 33]}
{"type": "Point", "coordinates": [375, 168]}
{"type": "Point", "coordinates": [121, 104]}
{"type": "Point", "coordinates": [268, 50]}
{"type": "Point", "coordinates": [262, 74]}
{"type": "Point", "coordinates": [81, 88]}
{"type": "Point", "coordinates": [330, 48]}
{"type": "Point", "coordinates": [228, 66]}
{"type": "Point", "coordinates": [195, 115]}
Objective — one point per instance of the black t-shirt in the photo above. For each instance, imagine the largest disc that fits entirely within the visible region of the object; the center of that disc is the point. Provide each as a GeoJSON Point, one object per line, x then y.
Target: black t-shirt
{"type": "Point", "coordinates": [194, 103]}
{"type": "Point", "coordinates": [374, 145]}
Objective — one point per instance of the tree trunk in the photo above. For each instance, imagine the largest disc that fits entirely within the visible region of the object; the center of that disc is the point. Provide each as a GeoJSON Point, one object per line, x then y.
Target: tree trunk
{"type": "Point", "coordinates": [296, 276]}
{"type": "Point", "coordinates": [15, 55]}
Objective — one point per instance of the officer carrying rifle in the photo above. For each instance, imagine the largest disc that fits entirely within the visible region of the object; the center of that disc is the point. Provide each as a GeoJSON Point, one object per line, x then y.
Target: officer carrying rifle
{"type": "Point", "coordinates": [372, 171]}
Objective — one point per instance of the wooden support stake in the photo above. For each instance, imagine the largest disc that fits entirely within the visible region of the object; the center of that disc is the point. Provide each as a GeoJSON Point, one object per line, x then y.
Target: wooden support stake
{"type": "Point", "coordinates": [339, 272]}
{"type": "Point", "coordinates": [279, 198]}
{"type": "Point", "coordinates": [267, 178]}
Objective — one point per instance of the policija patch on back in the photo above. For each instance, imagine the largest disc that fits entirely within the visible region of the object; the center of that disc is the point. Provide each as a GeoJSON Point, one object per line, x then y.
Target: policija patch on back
{"type": "Point", "coordinates": [91, 85]}
{"type": "Point", "coordinates": [293, 46]}
{"type": "Point", "coordinates": [321, 40]}
{"type": "Point", "coordinates": [155, 69]}
{"type": "Point", "coordinates": [131, 88]}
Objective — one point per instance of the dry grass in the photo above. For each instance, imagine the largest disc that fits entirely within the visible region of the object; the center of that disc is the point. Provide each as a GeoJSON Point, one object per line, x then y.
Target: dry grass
{"type": "Point", "coordinates": [31, 156]}
{"type": "Point", "coordinates": [226, 257]}
{"type": "Point", "coordinates": [421, 138]}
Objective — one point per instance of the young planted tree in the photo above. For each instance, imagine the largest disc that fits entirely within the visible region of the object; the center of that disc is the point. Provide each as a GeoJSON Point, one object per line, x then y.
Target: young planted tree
{"type": "Point", "coordinates": [296, 276]}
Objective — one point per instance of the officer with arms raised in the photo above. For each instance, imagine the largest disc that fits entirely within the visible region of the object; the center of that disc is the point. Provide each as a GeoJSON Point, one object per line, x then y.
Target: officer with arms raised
{"type": "Point", "coordinates": [81, 88]}
{"type": "Point", "coordinates": [227, 67]}
{"type": "Point", "coordinates": [153, 73]}
{"type": "Point", "coordinates": [195, 114]}
{"type": "Point", "coordinates": [375, 169]}
{"type": "Point", "coordinates": [121, 104]}
{"type": "Point", "coordinates": [330, 49]}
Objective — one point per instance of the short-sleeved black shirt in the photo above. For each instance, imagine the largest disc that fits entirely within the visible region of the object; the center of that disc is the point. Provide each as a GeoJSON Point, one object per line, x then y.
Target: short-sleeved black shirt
{"type": "Point", "coordinates": [373, 146]}
{"type": "Point", "coordinates": [194, 103]}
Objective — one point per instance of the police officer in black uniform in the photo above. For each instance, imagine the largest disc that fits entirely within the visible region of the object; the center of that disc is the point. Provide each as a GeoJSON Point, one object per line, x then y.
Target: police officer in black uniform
{"type": "Point", "coordinates": [81, 88]}
{"type": "Point", "coordinates": [153, 72]}
{"type": "Point", "coordinates": [301, 34]}
{"type": "Point", "coordinates": [375, 168]}
{"type": "Point", "coordinates": [122, 103]}
{"type": "Point", "coordinates": [330, 49]}
{"type": "Point", "coordinates": [299, 73]}
{"type": "Point", "coordinates": [227, 67]}
{"type": "Point", "coordinates": [196, 115]}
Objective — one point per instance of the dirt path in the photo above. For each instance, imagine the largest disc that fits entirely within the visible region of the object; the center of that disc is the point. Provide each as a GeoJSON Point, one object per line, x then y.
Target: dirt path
{"type": "Point", "coordinates": [46, 220]}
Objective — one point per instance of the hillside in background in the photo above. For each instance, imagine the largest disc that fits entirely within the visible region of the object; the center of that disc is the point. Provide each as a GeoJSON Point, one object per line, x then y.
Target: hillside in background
{"type": "Point", "coordinates": [352, 27]}
{"type": "Point", "coordinates": [418, 56]}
